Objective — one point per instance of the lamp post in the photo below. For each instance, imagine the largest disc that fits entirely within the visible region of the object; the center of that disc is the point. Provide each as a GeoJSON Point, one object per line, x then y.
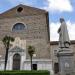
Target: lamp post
{"type": "Point", "coordinates": [31, 50]}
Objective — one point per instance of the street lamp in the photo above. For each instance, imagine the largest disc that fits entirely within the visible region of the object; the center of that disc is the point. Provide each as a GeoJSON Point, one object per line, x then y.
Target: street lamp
{"type": "Point", "coordinates": [34, 55]}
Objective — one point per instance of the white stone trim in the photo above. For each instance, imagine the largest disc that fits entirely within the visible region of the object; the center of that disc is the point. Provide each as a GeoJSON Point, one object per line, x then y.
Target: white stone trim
{"type": "Point", "coordinates": [42, 64]}
{"type": "Point", "coordinates": [10, 58]}
{"type": "Point", "coordinates": [39, 60]}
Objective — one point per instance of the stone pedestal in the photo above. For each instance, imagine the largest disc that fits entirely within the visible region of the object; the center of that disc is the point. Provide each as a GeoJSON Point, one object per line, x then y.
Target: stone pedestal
{"type": "Point", "coordinates": [66, 62]}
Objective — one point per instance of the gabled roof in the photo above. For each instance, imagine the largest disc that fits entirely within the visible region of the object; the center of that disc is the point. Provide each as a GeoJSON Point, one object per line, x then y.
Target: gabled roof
{"type": "Point", "coordinates": [27, 10]}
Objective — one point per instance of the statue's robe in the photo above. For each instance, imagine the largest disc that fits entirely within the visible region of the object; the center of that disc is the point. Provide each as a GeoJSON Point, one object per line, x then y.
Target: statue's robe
{"type": "Point", "coordinates": [63, 35]}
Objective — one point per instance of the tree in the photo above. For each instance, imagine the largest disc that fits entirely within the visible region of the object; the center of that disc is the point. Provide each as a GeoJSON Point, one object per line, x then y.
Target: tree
{"type": "Point", "coordinates": [6, 41]}
{"type": "Point", "coordinates": [31, 51]}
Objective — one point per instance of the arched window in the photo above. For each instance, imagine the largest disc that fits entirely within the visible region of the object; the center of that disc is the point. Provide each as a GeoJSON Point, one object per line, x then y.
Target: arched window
{"type": "Point", "coordinates": [18, 27]}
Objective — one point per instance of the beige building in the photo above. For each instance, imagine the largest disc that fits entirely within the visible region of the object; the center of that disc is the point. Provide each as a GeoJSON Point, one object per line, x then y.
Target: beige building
{"type": "Point", "coordinates": [54, 47]}
{"type": "Point", "coordinates": [29, 26]}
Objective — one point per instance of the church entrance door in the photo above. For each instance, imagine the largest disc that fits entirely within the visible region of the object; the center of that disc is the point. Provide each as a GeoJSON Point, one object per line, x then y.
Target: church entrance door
{"type": "Point", "coordinates": [16, 62]}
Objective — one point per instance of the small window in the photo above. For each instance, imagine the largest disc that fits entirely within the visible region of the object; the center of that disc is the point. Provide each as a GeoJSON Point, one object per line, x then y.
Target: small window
{"type": "Point", "coordinates": [18, 27]}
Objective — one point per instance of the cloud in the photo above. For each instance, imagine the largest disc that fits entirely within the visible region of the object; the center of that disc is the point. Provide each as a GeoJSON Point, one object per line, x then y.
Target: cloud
{"type": "Point", "coordinates": [54, 36]}
{"type": "Point", "coordinates": [59, 5]}
{"type": "Point", "coordinates": [52, 5]}
{"type": "Point", "coordinates": [53, 31]}
{"type": "Point", "coordinates": [71, 30]}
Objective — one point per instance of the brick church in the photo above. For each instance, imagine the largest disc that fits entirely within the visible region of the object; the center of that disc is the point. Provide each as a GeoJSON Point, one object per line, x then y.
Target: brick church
{"type": "Point", "coordinates": [28, 26]}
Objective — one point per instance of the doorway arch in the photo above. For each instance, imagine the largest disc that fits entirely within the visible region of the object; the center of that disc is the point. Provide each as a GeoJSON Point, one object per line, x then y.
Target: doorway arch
{"type": "Point", "coordinates": [16, 61]}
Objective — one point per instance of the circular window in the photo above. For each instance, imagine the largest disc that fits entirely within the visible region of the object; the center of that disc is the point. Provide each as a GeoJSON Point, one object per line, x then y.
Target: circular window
{"type": "Point", "coordinates": [20, 9]}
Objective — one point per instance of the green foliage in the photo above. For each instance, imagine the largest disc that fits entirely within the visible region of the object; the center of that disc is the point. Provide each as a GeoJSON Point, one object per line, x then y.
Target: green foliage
{"type": "Point", "coordinates": [6, 40]}
{"type": "Point", "coordinates": [24, 72]}
{"type": "Point", "coordinates": [31, 50]}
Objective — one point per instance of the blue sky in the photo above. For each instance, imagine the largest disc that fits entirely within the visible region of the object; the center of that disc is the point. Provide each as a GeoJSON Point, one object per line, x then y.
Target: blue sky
{"type": "Point", "coordinates": [56, 9]}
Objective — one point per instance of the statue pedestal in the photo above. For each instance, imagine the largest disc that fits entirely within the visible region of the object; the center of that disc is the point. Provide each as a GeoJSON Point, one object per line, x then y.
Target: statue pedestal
{"type": "Point", "coordinates": [66, 62]}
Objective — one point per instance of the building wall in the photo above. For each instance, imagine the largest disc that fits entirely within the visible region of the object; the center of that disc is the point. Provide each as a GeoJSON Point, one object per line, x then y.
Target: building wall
{"type": "Point", "coordinates": [35, 33]}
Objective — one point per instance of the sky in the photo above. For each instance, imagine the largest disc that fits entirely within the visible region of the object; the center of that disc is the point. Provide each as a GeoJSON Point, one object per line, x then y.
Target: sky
{"type": "Point", "coordinates": [56, 9]}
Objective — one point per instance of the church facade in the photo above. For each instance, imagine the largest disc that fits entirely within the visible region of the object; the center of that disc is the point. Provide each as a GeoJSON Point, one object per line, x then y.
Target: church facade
{"type": "Point", "coordinates": [28, 26]}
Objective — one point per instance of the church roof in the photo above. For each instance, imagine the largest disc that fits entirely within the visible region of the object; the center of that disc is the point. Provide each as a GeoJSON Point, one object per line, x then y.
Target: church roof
{"type": "Point", "coordinates": [22, 10]}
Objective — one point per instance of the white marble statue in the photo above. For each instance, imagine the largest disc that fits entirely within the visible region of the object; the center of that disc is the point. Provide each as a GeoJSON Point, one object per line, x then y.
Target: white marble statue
{"type": "Point", "coordinates": [64, 40]}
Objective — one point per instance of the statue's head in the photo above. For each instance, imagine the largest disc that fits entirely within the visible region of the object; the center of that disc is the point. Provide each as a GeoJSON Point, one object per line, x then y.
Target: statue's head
{"type": "Point", "coordinates": [62, 20]}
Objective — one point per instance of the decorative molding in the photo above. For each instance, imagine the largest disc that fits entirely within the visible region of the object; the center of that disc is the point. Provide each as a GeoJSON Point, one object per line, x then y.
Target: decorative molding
{"type": "Point", "coordinates": [16, 49]}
